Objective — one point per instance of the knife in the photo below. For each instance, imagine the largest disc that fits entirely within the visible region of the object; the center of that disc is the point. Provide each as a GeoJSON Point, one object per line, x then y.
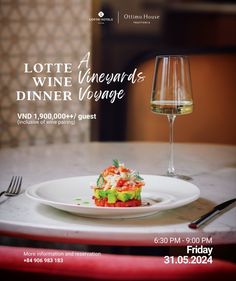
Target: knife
{"type": "Point", "coordinates": [216, 210]}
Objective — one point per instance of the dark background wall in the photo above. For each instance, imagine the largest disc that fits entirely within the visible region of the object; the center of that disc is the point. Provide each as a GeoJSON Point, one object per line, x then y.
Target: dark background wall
{"type": "Point", "coordinates": [184, 27]}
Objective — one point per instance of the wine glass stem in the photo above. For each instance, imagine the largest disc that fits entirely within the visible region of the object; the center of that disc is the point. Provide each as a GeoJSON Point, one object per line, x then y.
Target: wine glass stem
{"type": "Point", "coordinates": [171, 169]}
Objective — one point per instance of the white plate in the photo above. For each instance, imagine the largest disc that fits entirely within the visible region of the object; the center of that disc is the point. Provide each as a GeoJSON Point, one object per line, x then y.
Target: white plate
{"type": "Point", "coordinates": [159, 193]}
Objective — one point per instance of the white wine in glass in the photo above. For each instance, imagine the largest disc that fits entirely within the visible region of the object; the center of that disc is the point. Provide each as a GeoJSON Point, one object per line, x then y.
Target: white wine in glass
{"type": "Point", "coordinates": [172, 95]}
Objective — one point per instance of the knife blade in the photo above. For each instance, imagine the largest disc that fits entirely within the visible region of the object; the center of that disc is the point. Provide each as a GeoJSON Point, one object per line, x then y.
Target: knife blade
{"type": "Point", "coordinates": [206, 217]}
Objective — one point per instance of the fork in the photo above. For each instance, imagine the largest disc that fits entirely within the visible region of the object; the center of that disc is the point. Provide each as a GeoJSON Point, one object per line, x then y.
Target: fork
{"type": "Point", "coordinates": [14, 187]}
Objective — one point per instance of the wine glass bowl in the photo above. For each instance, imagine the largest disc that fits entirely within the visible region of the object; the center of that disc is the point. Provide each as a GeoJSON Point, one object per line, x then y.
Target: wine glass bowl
{"type": "Point", "coordinates": [172, 95]}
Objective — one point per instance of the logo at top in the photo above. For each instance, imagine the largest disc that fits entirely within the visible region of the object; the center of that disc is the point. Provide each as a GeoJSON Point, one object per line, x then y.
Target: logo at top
{"type": "Point", "coordinates": [100, 14]}
{"type": "Point", "coordinates": [101, 18]}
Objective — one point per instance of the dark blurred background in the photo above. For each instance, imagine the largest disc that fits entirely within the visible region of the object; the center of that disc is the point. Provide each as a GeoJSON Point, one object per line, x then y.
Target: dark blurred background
{"type": "Point", "coordinates": [61, 31]}
{"type": "Point", "coordinates": [204, 30]}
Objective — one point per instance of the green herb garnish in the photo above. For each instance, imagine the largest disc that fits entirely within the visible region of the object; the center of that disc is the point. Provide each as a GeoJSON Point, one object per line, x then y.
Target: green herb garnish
{"type": "Point", "coordinates": [116, 163]}
{"type": "Point", "coordinates": [137, 176]}
{"type": "Point", "coordinates": [100, 181]}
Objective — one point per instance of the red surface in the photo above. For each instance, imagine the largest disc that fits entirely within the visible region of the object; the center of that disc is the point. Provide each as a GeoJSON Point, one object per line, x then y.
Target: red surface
{"type": "Point", "coordinates": [110, 266]}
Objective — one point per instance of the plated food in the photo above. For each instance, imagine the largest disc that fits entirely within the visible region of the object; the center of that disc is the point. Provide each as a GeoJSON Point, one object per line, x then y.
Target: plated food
{"type": "Point", "coordinates": [118, 186]}
{"type": "Point", "coordinates": [163, 193]}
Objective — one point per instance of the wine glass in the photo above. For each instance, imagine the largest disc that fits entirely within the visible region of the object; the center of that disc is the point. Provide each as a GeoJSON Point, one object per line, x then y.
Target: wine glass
{"type": "Point", "coordinates": [172, 96]}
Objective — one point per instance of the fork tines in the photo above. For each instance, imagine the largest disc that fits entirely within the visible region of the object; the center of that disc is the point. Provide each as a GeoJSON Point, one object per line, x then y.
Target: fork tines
{"type": "Point", "coordinates": [14, 186]}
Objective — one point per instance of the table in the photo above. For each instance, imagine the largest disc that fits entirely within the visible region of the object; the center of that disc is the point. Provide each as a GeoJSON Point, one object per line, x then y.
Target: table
{"type": "Point", "coordinates": [211, 166]}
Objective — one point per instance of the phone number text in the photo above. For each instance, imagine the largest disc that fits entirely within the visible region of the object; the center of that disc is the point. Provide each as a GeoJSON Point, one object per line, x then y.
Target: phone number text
{"type": "Point", "coordinates": [43, 260]}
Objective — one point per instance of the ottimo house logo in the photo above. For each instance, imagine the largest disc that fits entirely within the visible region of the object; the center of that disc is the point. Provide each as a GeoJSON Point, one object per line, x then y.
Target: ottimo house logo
{"type": "Point", "coordinates": [101, 18]}
{"type": "Point", "coordinates": [141, 19]}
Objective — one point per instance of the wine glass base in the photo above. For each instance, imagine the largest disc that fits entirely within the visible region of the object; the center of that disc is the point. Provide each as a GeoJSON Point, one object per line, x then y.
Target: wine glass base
{"type": "Point", "coordinates": [182, 177]}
